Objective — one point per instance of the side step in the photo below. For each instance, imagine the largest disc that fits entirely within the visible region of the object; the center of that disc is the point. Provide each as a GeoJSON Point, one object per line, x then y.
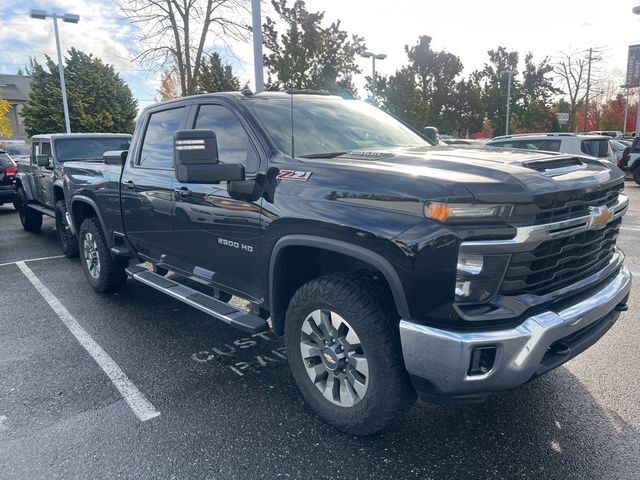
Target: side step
{"type": "Point", "coordinates": [245, 321]}
{"type": "Point", "coordinates": [44, 210]}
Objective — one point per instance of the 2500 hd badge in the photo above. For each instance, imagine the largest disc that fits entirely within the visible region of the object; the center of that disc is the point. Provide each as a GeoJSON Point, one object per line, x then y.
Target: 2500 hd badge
{"type": "Point", "coordinates": [234, 244]}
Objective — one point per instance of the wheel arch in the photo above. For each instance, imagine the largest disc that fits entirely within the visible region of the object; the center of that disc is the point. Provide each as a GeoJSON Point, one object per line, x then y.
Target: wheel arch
{"type": "Point", "coordinates": [25, 180]}
{"type": "Point", "coordinates": [280, 295]}
{"type": "Point", "coordinates": [83, 207]}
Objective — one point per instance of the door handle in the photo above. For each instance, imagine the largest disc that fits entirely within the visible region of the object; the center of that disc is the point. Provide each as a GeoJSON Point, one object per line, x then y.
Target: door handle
{"type": "Point", "coordinates": [182, 192]}
{"type": "Point", "coordinates": [130, 185]}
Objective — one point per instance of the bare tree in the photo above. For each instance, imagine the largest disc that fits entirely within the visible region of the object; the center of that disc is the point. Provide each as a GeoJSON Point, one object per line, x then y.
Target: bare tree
{"type": "Point", "coordinates": [572, 71]}
{"type": "Point", "coordinates": [174, 33]}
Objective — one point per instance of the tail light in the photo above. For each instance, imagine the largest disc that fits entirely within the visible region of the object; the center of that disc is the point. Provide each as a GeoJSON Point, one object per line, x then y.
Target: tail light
{"type": "Point", "coordinates": [10, 171]}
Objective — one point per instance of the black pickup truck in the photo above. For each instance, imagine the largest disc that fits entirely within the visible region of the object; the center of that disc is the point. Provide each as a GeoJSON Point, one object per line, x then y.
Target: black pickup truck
{"type": "Point", "coordinates": [39, 182]}
{"type": "Point", "coordinates": [392, 266]}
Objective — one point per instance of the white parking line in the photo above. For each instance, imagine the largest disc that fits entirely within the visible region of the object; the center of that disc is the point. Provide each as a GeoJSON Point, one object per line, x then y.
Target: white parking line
{"type": "Point", "coordinates": [142, 407]}
{"type": "Point", "coordinates": [31, 260]}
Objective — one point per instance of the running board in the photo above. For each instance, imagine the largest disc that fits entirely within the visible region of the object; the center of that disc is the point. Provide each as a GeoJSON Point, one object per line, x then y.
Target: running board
{"type": "Point", "coordinates": [245, 321]}
{"type": "Point", "coordinates": [42, 209]}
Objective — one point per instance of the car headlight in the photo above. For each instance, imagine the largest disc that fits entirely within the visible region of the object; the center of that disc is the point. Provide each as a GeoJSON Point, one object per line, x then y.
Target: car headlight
{"type": "Point", "coordinates": [466, 212]}
{"type": "Point", "coordinates": [478, 277]}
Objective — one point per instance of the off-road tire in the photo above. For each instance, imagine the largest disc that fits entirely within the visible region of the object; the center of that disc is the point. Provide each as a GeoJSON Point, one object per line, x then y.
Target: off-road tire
{"type": "Point", "coordinates": [367, 306]}
{"type": "Point", "coordinates": [67, 240]}
{"type": "Point", "coordinates": [111, 275]}
{"type": "Point", "coordinates": [30, 219]}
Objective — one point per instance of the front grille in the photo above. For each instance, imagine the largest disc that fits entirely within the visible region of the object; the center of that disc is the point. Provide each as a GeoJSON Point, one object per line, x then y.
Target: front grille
{"type": "Point", "coordinates": [557, 211]}
{"type": "Point", "coordinates": [555, 264]}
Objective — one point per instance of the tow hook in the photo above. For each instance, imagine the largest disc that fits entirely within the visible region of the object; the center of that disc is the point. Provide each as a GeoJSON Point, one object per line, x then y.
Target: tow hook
{"type": "Point", "coordinates": [621, 307]}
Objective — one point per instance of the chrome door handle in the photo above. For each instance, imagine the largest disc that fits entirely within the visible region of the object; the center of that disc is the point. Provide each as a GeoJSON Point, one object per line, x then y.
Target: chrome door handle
{"type": "Point", "coordinates": [130, 185]}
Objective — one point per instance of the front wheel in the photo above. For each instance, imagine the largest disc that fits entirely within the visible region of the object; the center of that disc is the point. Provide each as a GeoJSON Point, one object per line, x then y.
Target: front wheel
{"type": "Point", "coordinates": [103, 272]}
{"type": "Point", "coordinates": [67, 240]}
{"type": "Point", "coordinates": [30, 219]}
{"type": "Point", "coordinates": [344, 353]}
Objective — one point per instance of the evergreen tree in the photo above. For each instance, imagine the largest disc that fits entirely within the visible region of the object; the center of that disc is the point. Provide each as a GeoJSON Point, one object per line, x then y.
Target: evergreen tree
{"type": "Point", "coordinates": [99, 100]}
{"type": "Point", "coordinates": [216, 76]}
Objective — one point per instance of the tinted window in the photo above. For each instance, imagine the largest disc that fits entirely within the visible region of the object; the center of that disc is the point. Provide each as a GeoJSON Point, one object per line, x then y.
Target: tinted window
{"type": "Point", "coordinates": [324, 125]}
{"type": "Point", "coordinates": [503, 144]}
{"type": "Point", "coordinates": [595, 148]}
{"type": "Point", "coordinates": [45, 148]}
{"type": "Point", "coordinates": [547, 145]}
{"type": "Point", "coordinates": [234, 145]}
{"type": "Point", "coordinates": [157, 148]}
{"type": "Point", "coordinates": [5, 161]}
{"type": "Point", "coordinates": [69, 149]}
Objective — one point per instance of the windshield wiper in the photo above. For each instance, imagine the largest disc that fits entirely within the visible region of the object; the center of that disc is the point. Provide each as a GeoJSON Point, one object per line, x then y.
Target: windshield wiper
{"type": "Point", "coordinates": [323, 155]}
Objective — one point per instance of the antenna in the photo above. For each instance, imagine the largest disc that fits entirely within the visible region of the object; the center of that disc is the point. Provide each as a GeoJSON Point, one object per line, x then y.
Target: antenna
{"type": "Point", "coordinates": [293, 154]}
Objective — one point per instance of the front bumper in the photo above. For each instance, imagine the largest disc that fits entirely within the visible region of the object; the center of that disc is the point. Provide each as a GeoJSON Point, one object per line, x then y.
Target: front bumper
{"type": "Point", "coordinates": [439, 360]}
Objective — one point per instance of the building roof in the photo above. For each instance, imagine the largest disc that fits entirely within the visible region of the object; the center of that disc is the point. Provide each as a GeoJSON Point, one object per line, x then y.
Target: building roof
{"type": "Point", "coordinates": [15, 88]}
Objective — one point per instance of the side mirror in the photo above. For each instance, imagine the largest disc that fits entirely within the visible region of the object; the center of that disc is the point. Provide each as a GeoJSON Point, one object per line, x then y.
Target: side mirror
{"type": "Point", "coordinates": [195, 159]}
{"type": "Point", "coordinates": [42, 160]}
{"type": "Point", "coordinates": [626, 152]}
{"type": "Point", "coordinates": [432, 134]}
{"type": "Point", "coordinates": [115, 157]}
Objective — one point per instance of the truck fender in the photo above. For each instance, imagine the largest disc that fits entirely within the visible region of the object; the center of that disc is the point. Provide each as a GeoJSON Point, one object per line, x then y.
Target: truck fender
{"type": "Point", "coordinates": [374, 259]}
{"type": "Point", "coordinates": [26, 181]}
{"type": "Point", "coordinates": [83, 199]}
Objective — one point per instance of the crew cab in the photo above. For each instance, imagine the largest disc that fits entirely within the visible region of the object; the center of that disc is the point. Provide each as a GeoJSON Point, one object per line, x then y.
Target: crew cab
{"type": "Point", "coordinates": [392, 267]}
{"type": "Point", "coordinates": [40, 189]}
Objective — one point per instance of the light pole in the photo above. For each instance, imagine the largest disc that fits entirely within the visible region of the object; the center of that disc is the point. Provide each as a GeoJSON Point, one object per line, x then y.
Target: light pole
{"type": "Point", "coordinates": [636, 10]}
{"type": "Point", "coordinates": [257, 45]}
{"type": "Point", "coordinates": [626, 109]}
{"type": "Point", "coordinates": [509, 73]}
{"type": "Point", "coordinates": [374, 57]}
{"type": "Point", "coordinates": [69, 18]}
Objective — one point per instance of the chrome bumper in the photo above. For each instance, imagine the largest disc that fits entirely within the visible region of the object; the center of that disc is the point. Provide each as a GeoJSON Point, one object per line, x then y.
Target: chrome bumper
{"type": "Point", "coordinates": [443, 357]}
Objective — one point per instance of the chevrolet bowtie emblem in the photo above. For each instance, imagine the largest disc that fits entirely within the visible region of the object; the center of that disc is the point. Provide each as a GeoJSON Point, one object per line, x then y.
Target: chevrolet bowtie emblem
{"type": "Point", "coordinates": [328, 358]}
{"type": "Point", "coordinates": [600, 217]}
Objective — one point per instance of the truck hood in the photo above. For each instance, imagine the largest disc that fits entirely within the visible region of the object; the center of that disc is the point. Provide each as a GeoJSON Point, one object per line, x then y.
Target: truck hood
{"type": "Point", "coordinates": [487, 174]}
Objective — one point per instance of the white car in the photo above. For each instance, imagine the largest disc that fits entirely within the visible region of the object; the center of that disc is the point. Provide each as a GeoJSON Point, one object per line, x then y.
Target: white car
{"type": "Point", "coordinates": [575, 144]}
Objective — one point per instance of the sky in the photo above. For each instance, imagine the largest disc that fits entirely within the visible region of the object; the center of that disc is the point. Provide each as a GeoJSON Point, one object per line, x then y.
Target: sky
{"type": "Point", "coordinates": [467, 28]}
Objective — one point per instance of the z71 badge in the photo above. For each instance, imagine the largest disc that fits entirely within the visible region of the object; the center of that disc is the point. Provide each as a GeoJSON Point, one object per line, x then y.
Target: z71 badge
{"type": "Point", "coordinates": [293, 175]}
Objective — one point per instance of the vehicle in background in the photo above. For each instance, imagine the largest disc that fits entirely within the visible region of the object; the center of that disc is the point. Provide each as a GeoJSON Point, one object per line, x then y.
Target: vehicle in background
{"type": "Point", "coordinates": [630, 161]}
{"type": "Point", "coordinates": [17, 149]}
{"type": "Point", "coordinates": [571, 143]}
{"type": "Point", "coordinates": [7, 179]}
{"type": "Point", "coordinates": [40, 186]}
{"type": "Point", "coordinates": [391, 266]}
{"type": "Point", "coordinates": [608, 133]}
{"type": "Point", "coordinates": [619, 147]}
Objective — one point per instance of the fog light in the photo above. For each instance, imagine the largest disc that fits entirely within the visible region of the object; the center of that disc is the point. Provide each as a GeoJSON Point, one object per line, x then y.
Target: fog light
{"type": "Point", "coordinates": [482, 360]}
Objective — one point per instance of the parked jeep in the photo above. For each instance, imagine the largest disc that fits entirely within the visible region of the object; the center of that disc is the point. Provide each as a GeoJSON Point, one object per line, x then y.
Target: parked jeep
{"type": "Point", "coordinates": [40, 183]}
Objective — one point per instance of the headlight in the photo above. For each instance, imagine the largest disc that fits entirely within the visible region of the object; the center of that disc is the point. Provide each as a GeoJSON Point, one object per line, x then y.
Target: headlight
{"type": "Point", "coordinates": [466, 212]}
{"type": "Point", "coordinates": [479, 276]}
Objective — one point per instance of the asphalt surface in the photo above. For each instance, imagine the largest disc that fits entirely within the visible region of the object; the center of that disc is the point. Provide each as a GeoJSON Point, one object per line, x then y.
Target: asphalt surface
{"type": "Point", "coordinates": [229, 408]}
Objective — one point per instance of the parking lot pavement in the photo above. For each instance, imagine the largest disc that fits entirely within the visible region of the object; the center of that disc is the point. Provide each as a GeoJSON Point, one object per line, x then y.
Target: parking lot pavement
{"type": "Point", "coordinates": [229, 408]}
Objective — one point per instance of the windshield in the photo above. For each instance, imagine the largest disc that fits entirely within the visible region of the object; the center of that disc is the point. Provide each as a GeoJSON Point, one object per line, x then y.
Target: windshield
{"type": "Point", "coordinates": [17, 149]}
{"type": "Point", "coordinates": [68, 149]}
{"type": "Point", "coordinates": [325, 126]}
{"type": "Point", "coordinates": [595, 148]}
{"type": "Point", "coordinates": [5, 161]}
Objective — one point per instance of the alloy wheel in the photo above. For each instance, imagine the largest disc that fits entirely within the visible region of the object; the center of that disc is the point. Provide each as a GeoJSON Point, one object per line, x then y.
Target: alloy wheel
{"type": "Point", "coordinates": [333, 358]}
{"type": "Point", "coordinates": [91, 255]}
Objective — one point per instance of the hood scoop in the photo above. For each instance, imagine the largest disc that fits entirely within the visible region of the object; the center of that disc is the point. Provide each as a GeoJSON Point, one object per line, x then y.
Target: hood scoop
{"type": "Point", "coordinates": [556, 166]}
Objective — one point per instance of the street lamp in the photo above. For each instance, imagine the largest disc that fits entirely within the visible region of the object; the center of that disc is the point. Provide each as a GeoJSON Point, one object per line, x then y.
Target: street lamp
{"type": "Point", "coordinates": [374, 57]}
{"type": "Point", "coordinates": [69, 18]}
{"type": "Point", "coordinates": [257, 45]}
{"type": "Point", "coordinates": [636, 10]}
{"type": "Point", "coordinates": [509, 73]}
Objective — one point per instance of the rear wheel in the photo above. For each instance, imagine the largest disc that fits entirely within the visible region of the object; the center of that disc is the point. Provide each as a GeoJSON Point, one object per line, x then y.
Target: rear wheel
{"type": "Point", "coordinates": [68, 241]}
{"type": "Point", "coordinates": [344, 353]}
{"type": "Point", "coordinates": [104, 273]}
{"type": "Point", "coordinates": [30, 219]}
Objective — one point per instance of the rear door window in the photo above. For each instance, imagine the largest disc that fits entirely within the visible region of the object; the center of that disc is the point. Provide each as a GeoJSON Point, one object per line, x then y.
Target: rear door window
{"type": "Point", "coordinates": [595, 148]}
